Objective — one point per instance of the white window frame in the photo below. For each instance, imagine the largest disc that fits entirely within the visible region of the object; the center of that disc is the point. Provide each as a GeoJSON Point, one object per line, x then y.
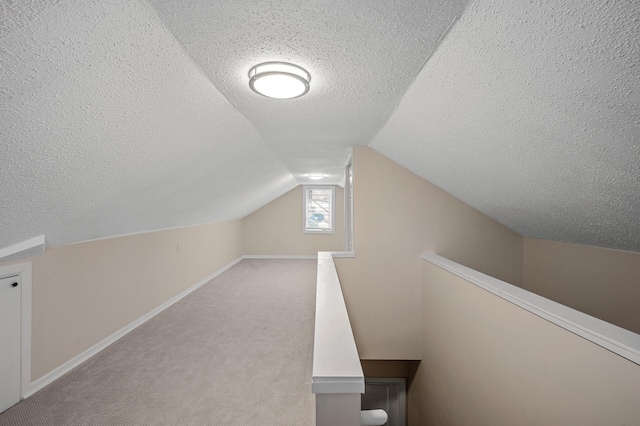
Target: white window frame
{"type": "Point", "coordinates": [348, 206]}
{"type": "Point", "coordinates": [305, 230]}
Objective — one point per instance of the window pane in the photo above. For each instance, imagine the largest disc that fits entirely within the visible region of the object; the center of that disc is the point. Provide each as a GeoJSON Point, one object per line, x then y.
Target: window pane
{"type": "Point", "coordinates": [319, 209]}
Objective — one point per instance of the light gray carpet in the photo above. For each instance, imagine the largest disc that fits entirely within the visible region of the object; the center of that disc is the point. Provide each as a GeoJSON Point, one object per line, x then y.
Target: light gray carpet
{"type": "Point", "coordinates": [237, 351]}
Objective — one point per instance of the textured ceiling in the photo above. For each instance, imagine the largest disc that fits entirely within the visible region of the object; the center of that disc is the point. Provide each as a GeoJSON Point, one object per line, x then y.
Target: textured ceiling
{"type": "Point", "coordinates": [362, 56]}
{"type": "Point", "coordinates": [530, 112]}
{"type": "Point", "coordinates": [123, 116]}
{"type": "Point", "coordinates": [109, 128]}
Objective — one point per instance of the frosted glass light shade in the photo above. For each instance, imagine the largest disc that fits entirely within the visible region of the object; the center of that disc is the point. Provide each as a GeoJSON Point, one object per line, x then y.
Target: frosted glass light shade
{"type": "Point", "coordinates": [279, 80]}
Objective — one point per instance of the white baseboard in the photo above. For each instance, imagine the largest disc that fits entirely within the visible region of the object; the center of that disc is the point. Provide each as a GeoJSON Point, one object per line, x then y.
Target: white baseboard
{"type": "Point", "coordinates": [280, 256]}
{"type": "Point", "coordinates": [79, 359]}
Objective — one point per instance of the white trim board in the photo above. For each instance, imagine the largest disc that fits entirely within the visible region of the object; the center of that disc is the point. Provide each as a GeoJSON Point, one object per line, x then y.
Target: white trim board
{"type": "Point", "coordinates": [342, 254]}
{"type": "Point", "coordinates": [33, 247]}
{"type": "Point", "coordinates": [336, 364]}
{"type": "Point", "coordinates": [80, 358]}
{"type": "Point", "coordinates": [338, 385]}
{"type": "Point", "coordinates": [280, 256]}
{"type": "Point", "coordinates": [334, 254]}
{"type": "Point", "coordinates": [616, 339]}
{"type": "Point", "coordinates": [149, 231]}
{"type": "Point", "coordinates": [24, 271]}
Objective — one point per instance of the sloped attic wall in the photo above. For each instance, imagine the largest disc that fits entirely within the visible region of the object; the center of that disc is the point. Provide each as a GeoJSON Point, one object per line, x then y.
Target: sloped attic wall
{"type": "Point", "coordinates": [110, 128]}
{"type": "Point", "coordinates": [397, 217]}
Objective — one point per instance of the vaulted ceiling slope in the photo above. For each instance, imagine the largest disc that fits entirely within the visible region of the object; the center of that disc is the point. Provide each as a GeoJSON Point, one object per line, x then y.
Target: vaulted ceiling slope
{"type": "Point", "coordinates": [530, 112]}
{"type": "Point", "coordinates": [123, 116]}
{"type": "Point", "coordinates": [361, 54]}
{"type": "Point", "coordinates": [109, 128]}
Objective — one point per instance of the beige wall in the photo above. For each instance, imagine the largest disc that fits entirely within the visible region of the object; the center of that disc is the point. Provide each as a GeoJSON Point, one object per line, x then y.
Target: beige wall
{"type": "Point", "coordinates": [601, 282]}
{"type": "Point", "coordinates": [82, 293]}
{"type": "Point", "coordinates": [276, 228]}
{"type": "Point", "coordinates": [397, 217]}
{"type": "Point", "coordinates": [486, 361]}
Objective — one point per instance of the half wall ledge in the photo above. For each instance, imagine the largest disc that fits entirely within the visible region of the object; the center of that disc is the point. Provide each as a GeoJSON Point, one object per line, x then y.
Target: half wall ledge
{"type": "Point", "coordinates": [336, 363]}
{"type": "Point", "coordinates": [337, 378]}
{"type": "Point", "coordinates": [616, 339]}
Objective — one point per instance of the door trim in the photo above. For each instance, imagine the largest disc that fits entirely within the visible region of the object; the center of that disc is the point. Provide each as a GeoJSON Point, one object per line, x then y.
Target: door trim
{"type": "Point", "coordinates": [24, 271]}
{"type": "Point", "coordinates": [401, 386]}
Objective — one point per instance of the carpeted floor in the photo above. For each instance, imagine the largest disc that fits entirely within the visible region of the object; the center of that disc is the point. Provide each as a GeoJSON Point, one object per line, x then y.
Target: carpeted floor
{"type": "Point", "coordinates": [237, 351]}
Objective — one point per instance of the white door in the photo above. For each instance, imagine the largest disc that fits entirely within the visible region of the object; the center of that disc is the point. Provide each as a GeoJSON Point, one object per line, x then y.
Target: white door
{"type": "Point", "coordinates": [10, 306]}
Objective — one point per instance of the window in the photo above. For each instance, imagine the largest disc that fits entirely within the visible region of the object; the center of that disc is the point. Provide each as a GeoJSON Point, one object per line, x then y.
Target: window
{"type": "Point", "coordinates": [319, 209]}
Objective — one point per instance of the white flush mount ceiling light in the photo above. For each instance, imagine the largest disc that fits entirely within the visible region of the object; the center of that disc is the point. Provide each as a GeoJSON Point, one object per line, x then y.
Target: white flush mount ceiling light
{"type": "Point", "coordinates": [279, 80]}
{"type": "Point", "coordinates": [315, 176]}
